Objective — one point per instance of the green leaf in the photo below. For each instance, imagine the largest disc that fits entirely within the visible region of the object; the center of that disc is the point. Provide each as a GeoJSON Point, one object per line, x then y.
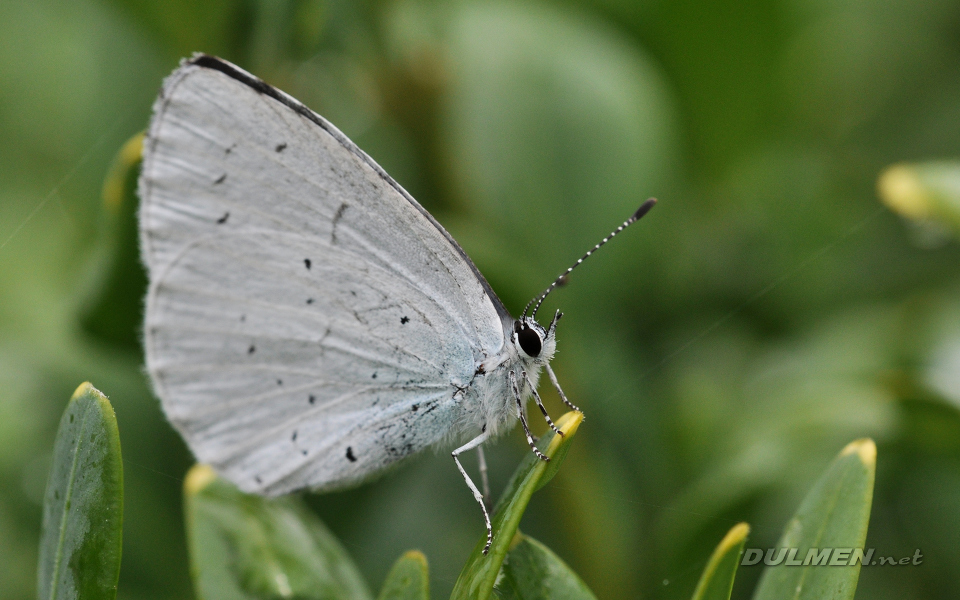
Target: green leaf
{"type": "Point", "coordinates": [246, 546]}
{"type": "Point", "coordinates": [479, 574]}
{"type": "Point", "coordinates": [716, 583]}
{"type": "Point", "coordinates": [408, 579]}
{"type": "Point", "coordinates": [533, 572]}
{"type": "Point", "coordinates": [834, 516]}
{"type": "Point", "coordinates": [924, 191]}
{"type": "Point", "coordinates": [112, 308]}
{"type": "Point", "coordinates": [80, 541]}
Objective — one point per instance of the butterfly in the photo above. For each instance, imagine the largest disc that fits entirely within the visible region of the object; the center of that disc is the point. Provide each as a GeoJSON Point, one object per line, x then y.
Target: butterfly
{"type": "Point", "coordinates": [308, 324]}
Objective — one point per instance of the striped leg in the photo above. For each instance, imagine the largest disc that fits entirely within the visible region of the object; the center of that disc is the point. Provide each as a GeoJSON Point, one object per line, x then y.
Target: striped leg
{"type": "Point", "coordinates": [556, 384]}
{"type": "Point", "coordinates": [523, 418]}
{"type": "Point", "coordinates": [475, 443]}
{"type": "Point", "coordinates": [543, 409]}
{"type": "Point", "coordinates": [484, 482]}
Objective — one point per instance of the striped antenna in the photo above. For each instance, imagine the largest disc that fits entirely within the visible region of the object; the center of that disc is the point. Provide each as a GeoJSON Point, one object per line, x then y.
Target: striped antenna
{"type": "Point", "coordinates": [562, 279]}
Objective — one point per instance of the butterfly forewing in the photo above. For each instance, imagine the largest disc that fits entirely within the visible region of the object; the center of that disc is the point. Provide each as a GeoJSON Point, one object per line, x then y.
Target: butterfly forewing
{"type": "Point", "coordinates": [307, 322]}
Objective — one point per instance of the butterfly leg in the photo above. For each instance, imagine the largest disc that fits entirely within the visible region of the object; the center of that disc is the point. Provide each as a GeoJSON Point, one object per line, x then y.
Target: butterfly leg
{"type": "Point", "coordinates": [543, 409]}
{"type": "Point", "coordinates": [484, 482]}
{"type": "Point", "coordinates": [526, 415]}
{"type": "Point", "coordinates": [556, 384]}
{"type": "Point", "coordinates": [475, 443]}
{"type": "Point", "coordinates": [523, 418]}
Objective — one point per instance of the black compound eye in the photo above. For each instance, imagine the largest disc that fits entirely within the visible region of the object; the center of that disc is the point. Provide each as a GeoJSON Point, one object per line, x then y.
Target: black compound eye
{"type": "Point", "coordinates": [529, 341]}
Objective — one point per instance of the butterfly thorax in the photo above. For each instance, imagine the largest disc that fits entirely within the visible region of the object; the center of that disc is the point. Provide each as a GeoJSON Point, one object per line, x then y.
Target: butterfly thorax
{"type": "Point", "coordinates": [490, 401]}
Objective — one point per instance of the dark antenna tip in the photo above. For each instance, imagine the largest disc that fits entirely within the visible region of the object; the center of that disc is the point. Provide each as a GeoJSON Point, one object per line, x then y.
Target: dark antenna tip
{"type": "Point", "coordinates": [644, 209]}
{"type": "Point", "coordinates": [562, 279]}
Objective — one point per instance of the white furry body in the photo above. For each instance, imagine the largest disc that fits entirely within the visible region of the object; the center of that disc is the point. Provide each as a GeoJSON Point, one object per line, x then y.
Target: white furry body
{"type": "Point", "coordinates": [490, 401]}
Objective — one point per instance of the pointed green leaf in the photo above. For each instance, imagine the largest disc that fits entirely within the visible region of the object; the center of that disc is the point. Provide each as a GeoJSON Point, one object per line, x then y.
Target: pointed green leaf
{"type": "Point", "coordinates": [479, 574]}
{"type": "Point", "coordinates": [924, 191]}
{"type": "Point", "coordinates": [716, 582]}
{"type": "Point", "coordinates": [830, 527]}
{"type": "Point", "coordinates": [246, 546]}
{"type": "Point", "coordinates": [533, 572]}
{"type": "Point", "coordinates": [112, 306]}
{"type": "Point", "coordinates": [408, 579]}
{"type": "Point", "coordinates": [80, 541]}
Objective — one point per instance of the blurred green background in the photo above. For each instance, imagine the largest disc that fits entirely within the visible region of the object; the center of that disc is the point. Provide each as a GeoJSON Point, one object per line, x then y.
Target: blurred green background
{"type": "Point", "coordinates": [767, 312]}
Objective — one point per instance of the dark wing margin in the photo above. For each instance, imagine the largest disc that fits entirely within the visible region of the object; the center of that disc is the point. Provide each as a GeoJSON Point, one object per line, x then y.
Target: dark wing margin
{"type": "Point", "coordinates": [217, 64]}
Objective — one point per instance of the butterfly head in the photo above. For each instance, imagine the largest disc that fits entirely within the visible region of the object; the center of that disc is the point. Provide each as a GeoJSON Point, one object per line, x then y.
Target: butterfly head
{"type": "Point", "coordinates": [532, 341]}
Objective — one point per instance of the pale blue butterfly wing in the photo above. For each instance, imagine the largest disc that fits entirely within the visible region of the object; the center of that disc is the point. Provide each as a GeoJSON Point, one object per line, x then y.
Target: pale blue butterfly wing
{"type": "Point", "coordinates": [307, 323]}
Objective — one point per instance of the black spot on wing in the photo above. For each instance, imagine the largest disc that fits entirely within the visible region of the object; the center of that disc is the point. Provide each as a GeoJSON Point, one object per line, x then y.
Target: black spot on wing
{"type": "Point", "coordinates": [224, 218]}
{"type": "Point", "coordinates": [309, 300]}
{"type": "Point", "coordinates": [256, 84]}
{"type": "Point", "coordinates": [350, 455]}
{"type": "Point", "coordinates": [281, 147]}
{"type": "Point", "coordinates": [322, 339]}
{"type": "Point", "coordinates": [404, 320]}
{"type": "Point", "coordinates": [307, 263]}
{"type": "Point", "coordinates": [336, 219]}
{"type": "Point", "coordinates": [312, 399]}
{"type": "Point", "coordinates": [399, 451]}
{"type": "Point", "coordinates": [293, 437]}
{"type": "Point", "coordinates": [251, 349]}
{"type": "Point", "coordinates": [220, 179]}
{"type": "Point", "coordinates": [279, 382]}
